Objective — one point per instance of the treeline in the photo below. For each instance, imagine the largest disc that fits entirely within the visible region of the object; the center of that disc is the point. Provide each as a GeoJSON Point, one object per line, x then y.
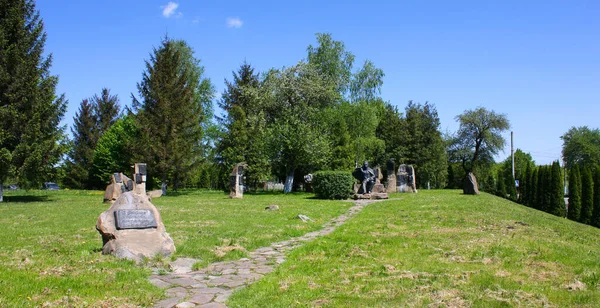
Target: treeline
{"type": "Point", "coordinates": [323, 113]}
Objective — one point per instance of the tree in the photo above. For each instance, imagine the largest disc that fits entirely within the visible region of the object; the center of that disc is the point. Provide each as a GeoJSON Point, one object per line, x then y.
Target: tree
{"type": "Point", "coordinates": [392, 131]}
{"type": "Point", "coordinates": [596, 211]}
{"type": "Point", "coordinates": [533, 190]}
{"type": "Point", "coordinates": [501, 186]}
{"type": "Point", "coordinates": [114, 152]}
{"type": "Point", "coordinates": [106, 110]}
{"type": "Point", "coordinates": [31, 140]}
{"type": "Point", "coordinates": [85, 136]}
{"type": "Point", "coordinates": [245, 125]}
{"type": "Point", "coordinates": [333, 61]}
{"type": "Point", "coordinates": [574, 210]}
{"type": "Point", "coordinates": [557, 200]}
{"type": "Point", "coordinates": [479, 137]}
{"type": "Point", "coordinates": [170, 113]}
{"type": "Point", "coordinates": [581, 146]}
{"type": "Point", "coordinates": [295, 140]}
{"type": "Point", "coordinates": [425, 147]}
{"type": "Point", "coordinates": [542, 195]}
{"type": "Point", "coordinates": [525, 186]}
{"type": "Point", "coordinates": [587, 196]}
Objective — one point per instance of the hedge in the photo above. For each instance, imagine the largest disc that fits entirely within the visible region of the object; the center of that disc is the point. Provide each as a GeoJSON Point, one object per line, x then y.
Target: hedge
{"type": "Point", "coordinates": [333, 184]}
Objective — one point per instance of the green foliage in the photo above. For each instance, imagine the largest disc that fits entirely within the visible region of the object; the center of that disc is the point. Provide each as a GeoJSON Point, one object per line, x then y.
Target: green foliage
{"type": "Point", "coordinates": [31, 139]}
{"type": "Point", "coordinates": [425, 147]}
{"type": "Point", "coordinates": [587, 196]}
{"type": "Point", "coordinates": [542, 196]}
{"type": "Point", "coordinates": [557, 200]}
{"type": "Point", "coordinates": [581, 146]}
{"type": "Point", "coordinates": [511, 190]}
{"type": "Point", "coordinates": [533, 188]}
{"type": "Point", "coordinates": [295, 138]}
{"type": "Point", "coordinates": [169, 116]}
{"type": "Point", "coordinates": [113, 152]}
{"type": "Point", "coordinates": [245, 126]}
{"type": "Point", "coordinates": [525, 185]}
{"type": "Point", "coordinates": [478, 138]}
{"type": "Point", "coordinates": [574, 211]}
{"type": "Point", "coordinates": [501, 186]}
{"type": "Point", "coordinates": [596, 211]}
{"type": "Point", "coordinates": [333, 184]}
{"type": "Point", "coordinates": [332, 60]}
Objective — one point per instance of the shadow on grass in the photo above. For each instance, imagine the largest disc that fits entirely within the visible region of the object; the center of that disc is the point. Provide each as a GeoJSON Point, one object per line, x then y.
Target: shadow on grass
{"type": "Point", "coordinates": [26, 199]}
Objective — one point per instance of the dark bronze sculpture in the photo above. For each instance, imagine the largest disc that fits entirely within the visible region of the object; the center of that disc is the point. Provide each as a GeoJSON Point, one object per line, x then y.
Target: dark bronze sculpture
{"type": "Point", "coordinates": [366, 176]}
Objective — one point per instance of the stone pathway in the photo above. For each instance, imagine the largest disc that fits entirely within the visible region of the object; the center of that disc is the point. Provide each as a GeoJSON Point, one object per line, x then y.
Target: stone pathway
{"type": "Point", "coordinates": [212, 285]}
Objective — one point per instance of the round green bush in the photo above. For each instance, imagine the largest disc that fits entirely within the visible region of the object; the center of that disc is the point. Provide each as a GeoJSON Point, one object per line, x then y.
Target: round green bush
{"type": "Point", "coordinates": [333, 184]}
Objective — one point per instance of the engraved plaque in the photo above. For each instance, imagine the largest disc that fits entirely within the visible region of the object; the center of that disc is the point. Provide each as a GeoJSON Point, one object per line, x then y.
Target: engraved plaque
{"type": "Point", "coordinates": [142, 169]}
{"type": "Point", "coordinates": [134, 219]}
{"type": "Point", "coordinates": [118, 178]}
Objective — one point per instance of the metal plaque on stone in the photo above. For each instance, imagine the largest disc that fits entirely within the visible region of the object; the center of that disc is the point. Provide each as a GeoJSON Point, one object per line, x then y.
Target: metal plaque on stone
{"type": "Point", "coordinates": [118, 178]}
{"type": "Point", "coordinates": [142, 169]}
{"type": "Point", "coordinates": [134, 219]}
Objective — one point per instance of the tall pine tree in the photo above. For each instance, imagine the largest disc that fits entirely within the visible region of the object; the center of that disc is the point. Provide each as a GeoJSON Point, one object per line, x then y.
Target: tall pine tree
{"type": "Point", "coordinates": [244, 125]}
{"type": "Point", "coordinates": [533, 189]}
{"type": "Point", "coordinates": [82, 151]}
{"type": "Point", "coordinates": [106, 110]}
{"type": "Point", "coordinates": [587, 195]}
{"type": "Point", "coordinates": [30, 111]}
{"type": "Point", "coordinates": [169, 112]}
{"type": "Point", "coordinates": [574, 209]}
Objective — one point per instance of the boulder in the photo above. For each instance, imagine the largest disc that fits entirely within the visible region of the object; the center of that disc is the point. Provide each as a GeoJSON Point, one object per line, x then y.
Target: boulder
{"type": "Point", "coordinates": [133, 229]}
{"type": "Point", "coordinates": [470, 185]}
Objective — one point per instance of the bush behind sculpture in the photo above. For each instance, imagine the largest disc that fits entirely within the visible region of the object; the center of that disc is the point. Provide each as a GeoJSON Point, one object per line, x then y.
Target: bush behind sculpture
{"type": "Point", "coordinates": [333, 184]}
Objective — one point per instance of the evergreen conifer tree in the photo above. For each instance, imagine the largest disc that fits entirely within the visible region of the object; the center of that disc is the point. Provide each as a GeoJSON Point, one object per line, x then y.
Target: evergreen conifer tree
{"type": "Point", "coordinates": [557, 201]}
{"type": "Point", "coordinates": [501, 186]}
{"type": "Point", "coordinates": [574, 209]}
{"type": "Point", "coordinates": [596, 211]}
{"type": "Point", "coordinates": [533, 190]}
{"type": "Point", "coordinates": [106, 111]}
{"type": "Point", "coordinates": [525, 186]}
{"type": "Point", "coordinates": [82, 151]}
{"type": "Point", "coordinates": [587, 196]}
{"type": "Point", "coordinates": [541, 188]}
{"type": "Point", "coordinates": [511, 190]}
{"type": "Point", "coordinates": [170, 112]}
{"type": "Point", "coordinates": [30, 111]}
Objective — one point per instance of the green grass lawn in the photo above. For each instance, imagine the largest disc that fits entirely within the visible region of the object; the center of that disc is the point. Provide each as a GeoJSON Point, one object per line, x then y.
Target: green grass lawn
{"type": "Point", "coordinates": [51, 252]}
{"type": "Point", "coordinates": [439, 248]}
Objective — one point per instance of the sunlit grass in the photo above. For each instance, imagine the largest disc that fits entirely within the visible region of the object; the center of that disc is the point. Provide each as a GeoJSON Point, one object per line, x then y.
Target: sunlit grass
{"type": "Point", "coordinates": [439, 248]}
{"type": "Point", "coordinates": [51, 251]}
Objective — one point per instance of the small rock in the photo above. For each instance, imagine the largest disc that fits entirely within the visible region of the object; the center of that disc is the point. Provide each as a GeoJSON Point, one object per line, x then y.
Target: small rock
{"type": "Point", "coordinates": [576, 286]}
{"type": "Point", "coordinates": [304, 218]}
{"type": "Point", "coordinates": [185, 305]}
{"type": "Point", "coordinates": [272, 208]}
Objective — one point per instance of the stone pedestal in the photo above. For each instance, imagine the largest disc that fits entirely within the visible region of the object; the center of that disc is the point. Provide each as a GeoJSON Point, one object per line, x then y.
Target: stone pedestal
{"type": "Point", "coordinates": [236, 181]}
{"type": "Point", "coordinates": [391, 183]}
{"type": "Point", "coordinates": [133, 229]}
{"type": "Point", "coordinates": [405, 179]}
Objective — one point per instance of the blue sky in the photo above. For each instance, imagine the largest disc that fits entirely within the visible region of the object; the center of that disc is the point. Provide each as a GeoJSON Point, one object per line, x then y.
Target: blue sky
{"type": "Point", "coordinates": [535, 61]}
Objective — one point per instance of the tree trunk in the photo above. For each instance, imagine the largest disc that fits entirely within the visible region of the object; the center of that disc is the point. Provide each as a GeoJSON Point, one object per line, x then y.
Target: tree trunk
{"type": "Point", "coordinates": [1, 192]}
{"type": "Point", "coordinates": [289, 182]}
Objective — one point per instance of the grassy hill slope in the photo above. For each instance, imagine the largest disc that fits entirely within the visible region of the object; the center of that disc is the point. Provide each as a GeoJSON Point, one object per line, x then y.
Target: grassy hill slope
{"type": "Point", "coordinates": [439, 248]}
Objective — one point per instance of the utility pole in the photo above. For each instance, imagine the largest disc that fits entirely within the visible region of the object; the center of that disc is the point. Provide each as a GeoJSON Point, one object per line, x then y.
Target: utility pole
{"type": "Point", "coordinates": [512, 154]}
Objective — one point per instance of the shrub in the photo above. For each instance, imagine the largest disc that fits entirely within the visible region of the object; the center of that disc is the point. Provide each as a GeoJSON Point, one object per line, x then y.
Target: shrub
{"type": "Point", "coordinates": [333, 184]}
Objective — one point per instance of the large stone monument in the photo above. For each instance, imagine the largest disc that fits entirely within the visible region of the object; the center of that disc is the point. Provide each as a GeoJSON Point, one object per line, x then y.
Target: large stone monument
{"type": "Point", "coordinates": [370, 186]}
{"type": "Point", "coordinates": [391, 176]}
{"type": "Point", "coordinates": [405, 179]}
{"type": "Point", "coordinates": [236, 181]}
{"type": "Point", "coordinates": [119, 183]}
{"type": "Point", "coordinates": [132, 227]}
{"type": "Point", "coordinates": [470, 185]}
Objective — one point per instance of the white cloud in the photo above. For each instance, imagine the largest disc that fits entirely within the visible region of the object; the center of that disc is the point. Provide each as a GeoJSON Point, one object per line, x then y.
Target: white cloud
{"type": "Point", "coordinates": [169, 9]}
{"type": "Point", "coordinates": [234, 22]}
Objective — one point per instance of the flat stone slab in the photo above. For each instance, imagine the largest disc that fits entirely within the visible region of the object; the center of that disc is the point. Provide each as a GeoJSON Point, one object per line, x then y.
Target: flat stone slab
{"type": "Point", "coordinates": [182, 265]}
